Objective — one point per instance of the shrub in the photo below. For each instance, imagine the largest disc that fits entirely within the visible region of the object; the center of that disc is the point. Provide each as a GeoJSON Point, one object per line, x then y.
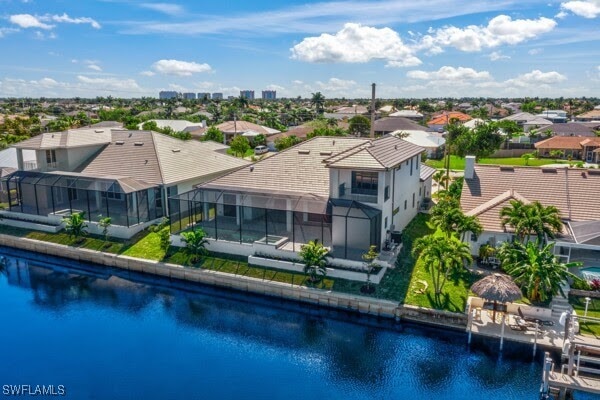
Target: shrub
{"type": "Point", "coordinates": [595, 284]}
{"type": "Point", "coordinates": [165, 239]}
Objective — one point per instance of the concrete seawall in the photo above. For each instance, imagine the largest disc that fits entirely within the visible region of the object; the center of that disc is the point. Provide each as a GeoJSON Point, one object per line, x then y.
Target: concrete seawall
{"type": "Point", "coordinates": [360, 304]}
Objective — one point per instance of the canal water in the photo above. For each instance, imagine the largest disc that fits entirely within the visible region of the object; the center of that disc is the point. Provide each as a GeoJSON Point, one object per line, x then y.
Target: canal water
{"type": "Point", "coordinates": [107, 334]}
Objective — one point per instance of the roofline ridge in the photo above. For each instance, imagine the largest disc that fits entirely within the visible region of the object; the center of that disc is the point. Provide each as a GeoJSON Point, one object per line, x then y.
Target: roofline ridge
{"type": "Point", "coordinates": [510, 193]}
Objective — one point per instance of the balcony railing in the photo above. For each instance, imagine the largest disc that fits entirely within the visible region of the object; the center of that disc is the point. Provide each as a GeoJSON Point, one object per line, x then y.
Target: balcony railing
{"type": "Point", "coordinates": [363, 198]}
{"type": "Point", "coordinates": [29, 165]}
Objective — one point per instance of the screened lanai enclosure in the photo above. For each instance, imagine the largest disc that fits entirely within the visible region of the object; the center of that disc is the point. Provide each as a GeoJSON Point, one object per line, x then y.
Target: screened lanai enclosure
{"type": "Point", "coordinates": [347, 227]}
{"type": "Point", "coordinates": [126, 201]}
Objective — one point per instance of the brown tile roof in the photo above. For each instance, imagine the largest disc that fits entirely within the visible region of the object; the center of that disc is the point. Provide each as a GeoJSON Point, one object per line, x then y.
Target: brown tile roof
{"type": "Point", "coordinates": [298, 170]}
{"type": "Point", "coordinates": [571, 190]}
{"type": "Point", "coordinates": [567, 142]}
{"type": "Point", "coordinates": [426, 172]}
{"type": "Point", "coordinates": [67, 139]}
{"type": "Point", "coordinates": [381, 154]}
{"type": "Point", "coordinates": [391, 124]}
{"type": "Point", "coordinates": [445, 117]}
{"type": "Point", "coordinates": [241, 127]}
{"type": "Point", "coordinates": [160, 159]}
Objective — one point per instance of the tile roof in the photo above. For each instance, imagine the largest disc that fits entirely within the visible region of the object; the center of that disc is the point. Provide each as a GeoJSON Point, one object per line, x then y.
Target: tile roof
{"type": "Point", "coordinates": [590, 114]}
{"type": "Point", "coordinates": [571, 129]}
{"type": "Point", "coordinates": [160, 159]}
{"type": "Point", "coordinates": [426, 172]}
{"type": "Point", "coordinates": [571, 190]}
{"type": "Point", "coordinates": [381, 154]}
{"type": "Point", "coordinates": [446, 117]}
{"type": "Point", "coordinates": [390, 124]}
{"type": "Point", "coordinates": [298, 170]}
{"type": "Point", "coordinates": [567, 142]}
{"type": "Point", "coordinates": [67, 139]}
{"type": "Point", "coordinates": [244, 126]}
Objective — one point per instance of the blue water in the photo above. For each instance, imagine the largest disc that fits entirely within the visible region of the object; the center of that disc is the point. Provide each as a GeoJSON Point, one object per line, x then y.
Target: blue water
{"type": "Point", "coordinates": [137, 337]}
{"type": "Point", "coordinates": [590, 273]}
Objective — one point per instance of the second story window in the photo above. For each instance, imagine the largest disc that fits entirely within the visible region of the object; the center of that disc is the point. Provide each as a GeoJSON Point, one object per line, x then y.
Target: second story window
{"type": "Point", "coordinates": [50, 157]}
{"type": "Point", "coordinates": [364, 182]}
{"type": "Point", "coordinates": [386, 193]}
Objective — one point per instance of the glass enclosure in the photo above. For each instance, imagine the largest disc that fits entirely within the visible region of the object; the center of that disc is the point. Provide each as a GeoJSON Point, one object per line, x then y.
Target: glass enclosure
{"type": "Point", "coordinates": [57, 194]}
{"type": "Point", "coordinates": [286, 222]}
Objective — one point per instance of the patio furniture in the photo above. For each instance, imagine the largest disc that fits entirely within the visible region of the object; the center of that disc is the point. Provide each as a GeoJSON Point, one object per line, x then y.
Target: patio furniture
{"type": "Point", "coordinates": [534, 320]}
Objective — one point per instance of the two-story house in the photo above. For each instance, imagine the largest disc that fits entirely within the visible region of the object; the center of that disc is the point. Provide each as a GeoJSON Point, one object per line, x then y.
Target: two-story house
{"type": "Point", "coordinates": [349, 193]}
{"type": "Point", "coordinates": [122, 174]}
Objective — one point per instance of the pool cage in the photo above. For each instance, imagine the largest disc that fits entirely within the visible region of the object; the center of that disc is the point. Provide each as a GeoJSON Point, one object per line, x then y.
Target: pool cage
{"type": "Point", "coordinates": [287, 222]}
{"type": "Point", "coordinates": [126, 201]}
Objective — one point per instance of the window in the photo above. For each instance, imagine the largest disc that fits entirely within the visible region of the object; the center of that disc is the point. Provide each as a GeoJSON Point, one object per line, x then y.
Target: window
{"type": "Point", "coordinates": [411, 166]}
{"type": "Point", "coordinates": [417, 164]}
{"type": "Point", "coordinates": [172, 191]}
{"type": "Point", "coordinates": [386, 193]}
{"type": "Point", "coordinates": [365, 182]}
{"type": "Point", "coordinates": [473, 237]}
{"type": "Point", "coordinates": [413, 200]}
{"type": "Point", "coordinates": [72, 192]}
{"type": "Point", "coordinates": [405, 203]}
{"type": "Point", "coordinates": [386, 222]}
{"type": "Point", "coordinates": [229, 207]}
{"type": "Point", "coordinates": [420, 192]}
{"type": "Point", "coordinates": [342, 189]}
{"type": "Point", "coordinates": [111, 195]}
{"type": "Point", "coordinates": [50, 156]}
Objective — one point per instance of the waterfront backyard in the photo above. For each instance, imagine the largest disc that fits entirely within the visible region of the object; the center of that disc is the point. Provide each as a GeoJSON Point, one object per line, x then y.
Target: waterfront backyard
{"type": "Point", "coordinates": [408, 283]}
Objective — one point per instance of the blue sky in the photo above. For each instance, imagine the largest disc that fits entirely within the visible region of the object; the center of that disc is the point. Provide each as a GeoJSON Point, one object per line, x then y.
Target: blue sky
{"type": "Point", "coordinates": [427, 48]}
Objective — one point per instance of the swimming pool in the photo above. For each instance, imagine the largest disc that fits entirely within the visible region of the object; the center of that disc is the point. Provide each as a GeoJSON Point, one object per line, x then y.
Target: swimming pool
{"type": "Point", "coordinates": [590, 273]}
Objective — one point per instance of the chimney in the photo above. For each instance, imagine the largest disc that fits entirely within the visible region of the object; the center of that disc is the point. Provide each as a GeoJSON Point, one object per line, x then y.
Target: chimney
{"type": "Point", "coordinates": [204, 123]}
{"type": "Point", "coordinates": [469, 167]}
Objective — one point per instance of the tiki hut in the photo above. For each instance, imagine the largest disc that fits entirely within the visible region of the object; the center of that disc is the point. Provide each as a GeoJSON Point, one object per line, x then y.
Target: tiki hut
{"type": "Point", "coordinates": [498, 288]}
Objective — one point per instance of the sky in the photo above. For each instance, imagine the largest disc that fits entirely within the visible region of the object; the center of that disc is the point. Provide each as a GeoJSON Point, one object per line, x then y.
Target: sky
{"type": "Point", "coordinates": [410, 49]}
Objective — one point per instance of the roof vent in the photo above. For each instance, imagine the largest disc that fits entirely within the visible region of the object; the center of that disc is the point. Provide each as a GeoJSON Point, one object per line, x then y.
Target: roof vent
{"type": "Point", "coordinates": [99, 131]}
{"type": "Point", "coordinates": [120, 142]}
{"type": "Point", "coordinates": [396, 146]}
{"type": "Point", "coordinates": [251, 168]}
{"type": "Point", "coordinates": [138, 143]}
{"type": "Point", "coordinates": [507, 169]}
{"type": "Point", "coordinates": [549, 170]}
{"type": "Point", "coordinates": [325, 153]}
{"type": "Point", "coordinates": [303, 151]}
{"type": "Point", "coordinates": [176, 150]}
{"type": "Point", "coordinates": [333, 142]}
{"type": "Point", "coordinates": [593, 171]}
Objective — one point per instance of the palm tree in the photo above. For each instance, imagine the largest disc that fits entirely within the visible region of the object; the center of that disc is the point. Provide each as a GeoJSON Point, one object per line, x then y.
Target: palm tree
{"type": "Point", "coordinates": [195, 243]}
{"type": "Point", "coordinates": [369, 258]}
{"type": "Point", "coordinates": [75, 225]}
{"type": "Point", "coordinates": [535, 269]}
{"type": "Point", "coordinates": [442, 256]}
{"type": "Point", "coordinates": [468, 223]}
{"type": "Point", "coordinates": [532, 219]}
{"type": "Point", "coordinates": [441, 179]}
{"type": "Point", "coordinates": [318, 100]}
{"type": "Point", "coordinates": [314, 257]}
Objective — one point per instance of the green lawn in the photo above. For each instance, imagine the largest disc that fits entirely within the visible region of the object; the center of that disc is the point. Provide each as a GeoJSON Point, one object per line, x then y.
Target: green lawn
{"type": "Point", "coordinates": [248, 153]}
{"type": "Point", "coordinates": [458, 163]}
{"type": "Point", "coordinates": [587, 327]}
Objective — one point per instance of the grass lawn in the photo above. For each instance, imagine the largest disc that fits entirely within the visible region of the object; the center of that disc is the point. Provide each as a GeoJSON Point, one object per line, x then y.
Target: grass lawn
{"type": "Point", "coordinates": [458, 163]}
{"type": "Point", "coordinates": [587, 327]}
{"type": "Point", "coordinates": [248, 153]}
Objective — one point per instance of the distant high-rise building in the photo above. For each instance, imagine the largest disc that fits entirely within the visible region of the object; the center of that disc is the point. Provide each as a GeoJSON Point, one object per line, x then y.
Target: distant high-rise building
{"type": "Point", "coordinates": [167, 94]}
{"type": "Point", "coordinates": [247, 94]}
{"type": "Point", "coordinates": [203, 96]}
{"type": "Point", "coordinates": [269, 94]}
{"type": "Point", "coordinates": [217, 96]}
{"type": "Point", "coordinates": [189, 96]}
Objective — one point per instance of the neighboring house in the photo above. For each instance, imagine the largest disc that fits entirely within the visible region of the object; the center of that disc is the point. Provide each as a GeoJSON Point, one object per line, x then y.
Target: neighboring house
{"type": "Point", "coordinates": [578, 148]}
{"type": "Point", "coordinates": [439, 121]}
{"type": "Point", "coordinates": [232, 129]}
{"type": "Point", "coordinates": [410, 114]}
{"type": "Point", "coordinates": [571, 129]}
{"type": "Point", "coordinates": [107, 124]}
{"type": "Point", "coordinates": [126, 175]}
{"type": "Point", "coordinates": [349, 193]}
{"type": "Point", "coordinates": [555, 116]}
{"type": "Point", "coordinates": [432, 143]}
{"type": "Point", "coordinates": [488, 188]}
{"type": "Point", "coordinates": [178, 125]}
{"type": "Point", "coordinates": [593, 115]}
{"type": "Point", "coordinates": [528, 121]}
{"type": "Point", "coordinates": [471, 124]}
{"type": "Point", "coordinates": [387, 125]}
{"type": "Point", "coordinates": [426, 177]}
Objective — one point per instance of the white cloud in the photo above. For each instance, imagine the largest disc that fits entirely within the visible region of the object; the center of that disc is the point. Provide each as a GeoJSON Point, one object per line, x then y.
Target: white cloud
{"type": "Point", "coordinates": [297, 82]}
{"type": "Point", "coordinates": [39, 35]}
{"type": "Point", "coordinates": [40, 21]}
{"type": "Point", "coordinates": [110, 84]}
{"type": "Point", "coordinates": [29, 21]}
{"type": "Point", "coordinates": [450, 74]}
{"type": "Point", "coordinates": [147, 73]}
{"type": "Point", "coordinates": [165, 8]}
{"type": "Point", "coordinates": [496, 56]}
{"type": "Point", "coordinates": [336, 84]}
{"type": "Point", "coordinates": [82, 20]}
{"type": "Point", "coordinates": [356, 43]}
{"type": "Point", "coordinates": [584, 8]}
{"type": "Point", "coordinates": [94, 67]}
{"type": "Point", "coordinates": [272, 86]}
{"type": "Point", "coordinates": [536, 78]}
{"type": "Point", "coordinates": [533, 52]}
{"type": "Point", "coordinates": [5, 31]}
{"type": "Point", "coordinates": [499, 31]}
{"type": "Point", "coordinates": [180, 68]}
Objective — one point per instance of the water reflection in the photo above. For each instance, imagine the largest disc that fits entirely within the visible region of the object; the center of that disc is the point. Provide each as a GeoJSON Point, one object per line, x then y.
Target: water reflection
{"type": "Point", "coordinates": [352, 354]}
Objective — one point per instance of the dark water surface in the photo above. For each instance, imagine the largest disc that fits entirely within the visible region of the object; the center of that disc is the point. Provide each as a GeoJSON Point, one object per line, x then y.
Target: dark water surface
{"type": "Point", "coordinates": [104, 336]}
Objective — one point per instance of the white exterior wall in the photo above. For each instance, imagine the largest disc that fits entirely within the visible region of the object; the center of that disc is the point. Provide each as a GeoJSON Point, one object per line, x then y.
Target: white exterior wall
{"type": "Point", "coordinates": [76, 156]}
{"type": "Point", "coordinates": [425, 191]}
{"type": "Point", "coordinates": [485, 238]}
{"type": "Point", "coordinates": [403, 188]}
